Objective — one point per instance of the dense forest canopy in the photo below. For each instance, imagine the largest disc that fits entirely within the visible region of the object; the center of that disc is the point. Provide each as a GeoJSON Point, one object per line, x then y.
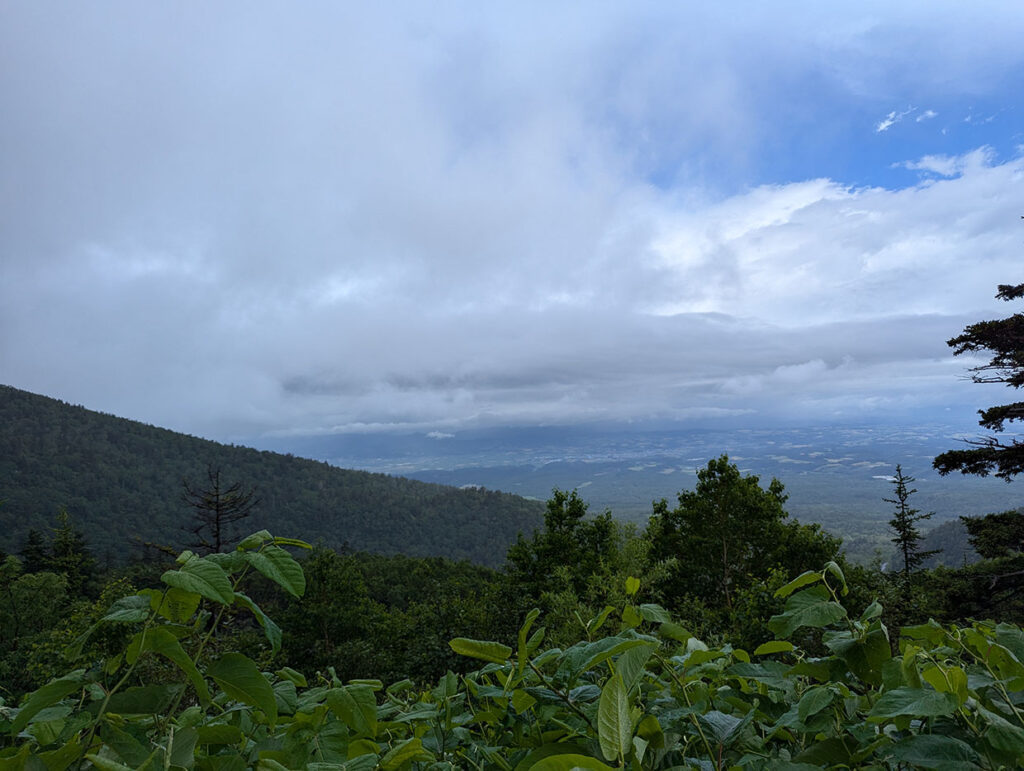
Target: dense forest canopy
{"type": "Point", "coordinates": [122, 481]}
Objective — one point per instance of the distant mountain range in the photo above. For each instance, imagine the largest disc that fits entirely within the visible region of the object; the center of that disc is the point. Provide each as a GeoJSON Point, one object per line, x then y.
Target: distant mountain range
{"type": "Point", "coordinates": [121, 481]}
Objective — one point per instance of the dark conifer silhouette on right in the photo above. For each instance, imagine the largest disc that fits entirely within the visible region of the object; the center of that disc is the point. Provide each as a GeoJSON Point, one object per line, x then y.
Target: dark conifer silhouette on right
{"type": "Point", "coordinates": [1005, 339]}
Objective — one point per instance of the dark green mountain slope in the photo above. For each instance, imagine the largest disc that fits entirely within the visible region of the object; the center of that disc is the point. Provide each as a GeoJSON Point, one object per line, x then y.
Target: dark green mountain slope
{"type": "Point", "coordinates": [122, 481]}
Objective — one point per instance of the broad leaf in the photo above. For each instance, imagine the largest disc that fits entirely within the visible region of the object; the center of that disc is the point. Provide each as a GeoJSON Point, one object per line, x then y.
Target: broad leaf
{"type": "Point", "coordinates": [356, 706]}
{"type": "Point", "coordinates": [255, 541]}
{"type": "Point", "coordinates": [865, 657]}
{"type": "Point", "coordinates": [160, 640]}
{"type": "Point", "coordinates": [654, 613]}
{"type": "Point", "coordinates": [481, 649]}
{"type": "Point", "coordinates": [774, 646]}
{"type": "Point", "coordinates": [522, 653]}
{"type": "Point", "coordinates": [631, 665]}
{"type": "Point", "coordinates": [614, 725]}
{"type": "Point", "coordinates": [127, 610]}
{"type": "Point", "coordinates": [241, 680]}
{"type": "Point", "coordinates": [202, 577]}
{"type": "Point", "coordinates": [280, 567]}
{"type": "Point", "coordinates": [935, 751]}
{"type": "Point", "coordinates": [916, 702]}
{"type": "Point", "coordinates": [270, 628]}
{"type": "Point", "coordinates": [569, 763]}
{"type": "Point", "coordinates": [178, 605]}
{"type": "Point", "coordinates": [812, 607]}
{"type": "Point", "coordinates": [813, 701]}
{"type": "Point", "coordinates": [49, 694]}
{"type": "Point", "coordinates": [802, 580]}
{"type": "Point", "coordinates": [143, 700]}
{"type": "Point", "coordinates": [405, 752]}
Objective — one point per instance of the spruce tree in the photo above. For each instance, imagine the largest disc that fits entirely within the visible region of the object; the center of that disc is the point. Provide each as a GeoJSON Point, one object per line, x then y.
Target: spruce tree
{"type": "Point", "coordinates": [216, 508]}
{"type": "Point", "coordinates": [1004, 338]}
{"type": "Point", "coordinates": [904, 525]}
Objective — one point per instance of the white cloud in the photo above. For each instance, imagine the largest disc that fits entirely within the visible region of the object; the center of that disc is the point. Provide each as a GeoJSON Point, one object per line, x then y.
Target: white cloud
{"type": "Point", "coordinates": [926, 115]}
{"type": "Point", "coordinates": [892, 119]}
{"type": "Point", "coordinates": [350, 219]}
{"type": "Point", "coordinates": [951, 166]}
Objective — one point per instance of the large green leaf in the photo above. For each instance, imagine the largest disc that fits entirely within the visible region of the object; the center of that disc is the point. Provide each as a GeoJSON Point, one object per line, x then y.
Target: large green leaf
{"type": "Point", "coordinates": [813, 701]}
{"type": "Point", "coordinates": [255, 541]}
{"type": "Point", "coordinates": [522, 653]}
{"type": "Point", "coordinates": [49, 694]}
{"type": "Point", "coordinates": [725, 729]}
{"type": "Point", "coordinates": [581, 658]}
{"type": "Point", "coordinates": [864, 656]}
{"type": "Point", "coordinates": [132, 609]}
{"type": "Point", "coordinates": [242, 680]}
{"type": "Point", "coordinates": [356, 706]}
{"type": "Point", "coordinates": [178, 605]}
{"type": "Point", "coordinates": [934, 751]}
{"type": "Point", "coordinates": [202, 577]}
{"type": "Point", "coordinates": [402, 753]}
{"type": "Point", "coordinates": [546, 751]}
{"type": "Point", "coordinates": [631, 664]}
{"type": "Point", "coordinates": [654, 613]}
{"type": "Point", "coordinates": [144, 699]}
{"type": "Point", "coordinates": [270, 628]}
{"type": "Point", "coordinates": [161, 640]}
{"type": "Point", "coordinates": [570, 762]}
{"type": "Point", "coordinates": [614, 724]}
{"type": "Point", "coordinates": [182, 744]}
{"type": "Point", "coordinates": [812, 607]}
{"type": "Point", "coordinates": [106, 764]}
{"type": "Point", "coordinates": [280, 567]}
{"type": "Point", "coordinates": [219, 734]}
{"type": "Point", "coordinates": [774, 646]}
{"type": "Point", "coordinates": [802, 580]}
{"type": "Point", "coordinates": [916, 702]}
{"type": "Point", "coordinates": [481, 649]}
{"type": "Point", "coordinates": [62, 757]}
{"type": "Point", "coordinates": [1002, 734]}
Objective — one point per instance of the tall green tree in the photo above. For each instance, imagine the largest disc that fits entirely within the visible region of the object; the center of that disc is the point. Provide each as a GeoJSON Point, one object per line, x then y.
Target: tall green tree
{"type": "Point", "coordinates": [34, 553]}
{"type": "Point", "coordinates": [1004, 339]}
{"type": "Point", "coordinates": [71, 557]}
{"type": "Point", "coordinates": [995, 536]}
{"type": "Point", "coordinates": [571, 540]}
{"type": "Point", "coordinates": [727, 534]}
{"type": "Point", "coordinates": [904, 521]}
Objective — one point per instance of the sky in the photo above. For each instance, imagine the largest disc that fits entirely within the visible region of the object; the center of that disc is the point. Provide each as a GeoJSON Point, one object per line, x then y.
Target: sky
{"type": "Point", "coordinates": [266, 219]}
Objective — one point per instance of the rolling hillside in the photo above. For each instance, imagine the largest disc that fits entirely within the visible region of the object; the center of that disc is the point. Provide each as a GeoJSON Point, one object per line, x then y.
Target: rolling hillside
{"type": "Point", "coordinates": [122, 483]}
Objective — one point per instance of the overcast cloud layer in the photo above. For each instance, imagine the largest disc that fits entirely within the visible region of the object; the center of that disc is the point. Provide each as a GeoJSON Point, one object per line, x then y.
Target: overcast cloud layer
{"type": "Point", "coordinates": [249, 218]}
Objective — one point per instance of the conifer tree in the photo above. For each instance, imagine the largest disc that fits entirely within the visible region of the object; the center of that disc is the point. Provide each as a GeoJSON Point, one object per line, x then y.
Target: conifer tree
{"type": "Point", "coordinates": [216, 508]}
{"type": "Point", "coordinates": [904, 525]}
{"type": "Point", "coordinates": [70, 556]}
{"type": "Point", "coordinates": [1004, 338]}
{"type": "Point", "coordinates": [35, 555]}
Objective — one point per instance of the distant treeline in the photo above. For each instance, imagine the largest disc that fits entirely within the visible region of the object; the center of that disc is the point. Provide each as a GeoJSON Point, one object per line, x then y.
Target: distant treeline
{"type": "Point", "coordinates": [122, 483]}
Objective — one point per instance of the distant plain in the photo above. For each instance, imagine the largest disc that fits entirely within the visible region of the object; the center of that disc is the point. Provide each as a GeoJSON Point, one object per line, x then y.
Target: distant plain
{"type": "Point", "coordinates": [835, 476]}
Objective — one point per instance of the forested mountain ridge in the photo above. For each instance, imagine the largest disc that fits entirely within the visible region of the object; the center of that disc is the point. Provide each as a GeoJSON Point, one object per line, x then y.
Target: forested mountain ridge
{"type": "Point", "coordinates": [121, 481]}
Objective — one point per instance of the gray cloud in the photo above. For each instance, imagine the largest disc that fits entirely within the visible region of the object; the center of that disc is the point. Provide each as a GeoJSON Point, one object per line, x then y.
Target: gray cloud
{"type": "Point", "coordinates": [247, 219]}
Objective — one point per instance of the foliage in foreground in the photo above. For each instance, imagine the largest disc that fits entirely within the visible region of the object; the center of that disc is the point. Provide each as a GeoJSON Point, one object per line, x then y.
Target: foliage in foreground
{"type": "Point", "coordinates": [647, 696]}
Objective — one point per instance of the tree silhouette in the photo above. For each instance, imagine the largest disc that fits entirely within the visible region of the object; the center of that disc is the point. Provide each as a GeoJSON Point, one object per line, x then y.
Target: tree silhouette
{"type": "Point", "coordinates": [216, 508]}
{"type": "Point", "coordinates": [904, 525]}
{"type": "Point", "coordinates": [1005, 339]}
